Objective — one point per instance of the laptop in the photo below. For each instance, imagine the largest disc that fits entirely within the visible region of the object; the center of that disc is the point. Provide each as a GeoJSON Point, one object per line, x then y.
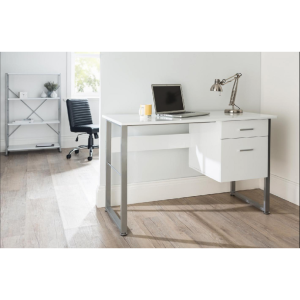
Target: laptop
{"type": "Point", "coordinates": [168, 102]}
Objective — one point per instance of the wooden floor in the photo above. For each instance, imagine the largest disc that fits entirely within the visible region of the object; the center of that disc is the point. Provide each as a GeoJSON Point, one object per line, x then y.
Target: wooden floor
{"type": "Point", "coordinates": [49, 201]}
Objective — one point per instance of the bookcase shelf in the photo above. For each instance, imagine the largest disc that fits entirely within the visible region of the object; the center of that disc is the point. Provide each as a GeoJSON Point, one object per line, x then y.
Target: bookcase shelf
{"type": "Point", "coordinates": [35, 123]}
{"type": "Point", "coordinates": [24, 99]}
{"type": "Point", "coordinates": [31, 147]}
{"type": "Point", "coordinates": [15, 126]}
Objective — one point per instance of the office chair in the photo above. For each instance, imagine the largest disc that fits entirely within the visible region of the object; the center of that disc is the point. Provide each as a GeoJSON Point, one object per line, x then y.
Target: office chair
{"type": "Point", "coordinates": [80, 120]}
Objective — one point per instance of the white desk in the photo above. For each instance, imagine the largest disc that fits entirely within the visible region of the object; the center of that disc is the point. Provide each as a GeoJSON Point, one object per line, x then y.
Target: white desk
{"type": "Point", "coordinates": [223, 147]}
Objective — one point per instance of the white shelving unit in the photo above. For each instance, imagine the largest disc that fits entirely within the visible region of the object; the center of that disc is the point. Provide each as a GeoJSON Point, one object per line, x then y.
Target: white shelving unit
{"type": "Point", "coordinates": [35, 123]}
{"type": "Point", "coordinates": [30, 147]}
{"type": "Point", "coordinates": [18, 99]}
{"type": "Point", "coordinates": [14, 126]}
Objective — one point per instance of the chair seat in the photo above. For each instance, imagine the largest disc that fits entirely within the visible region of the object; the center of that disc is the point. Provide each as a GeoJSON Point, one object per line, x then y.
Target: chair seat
{"type": "Point", "coordinates": [90, 128]}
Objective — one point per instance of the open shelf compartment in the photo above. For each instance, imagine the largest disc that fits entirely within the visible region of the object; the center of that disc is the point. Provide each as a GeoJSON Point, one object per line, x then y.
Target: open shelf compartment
{"type": "Point", "coordinates": [31, 147]}
{"type": "Point", "coordinates": [35, 123]}
{"type": "Point", "coordinates": [24, 99]}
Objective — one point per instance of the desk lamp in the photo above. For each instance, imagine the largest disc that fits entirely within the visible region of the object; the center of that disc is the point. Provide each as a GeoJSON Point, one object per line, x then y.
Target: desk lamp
{"type": "Point", "coordinates": [217, 87]}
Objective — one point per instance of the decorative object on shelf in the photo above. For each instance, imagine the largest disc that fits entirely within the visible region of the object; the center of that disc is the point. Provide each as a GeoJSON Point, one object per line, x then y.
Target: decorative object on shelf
{"type": "Point", "coordinates": [43, 94]}
{"type": "Point", "coordinates": [217, 87]}
{"type": "Point", "coordinates": [145, 112]}
{"type": "Point", "coordinates": [22, 95]}
{"type": "Point", "coordinates": [51, 87]}
{"type": "Point", "coordinates": [53, 94]}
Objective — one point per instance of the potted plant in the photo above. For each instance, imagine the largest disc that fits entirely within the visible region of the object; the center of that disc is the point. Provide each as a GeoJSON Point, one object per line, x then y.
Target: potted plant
{"type": "Point", "coordinates": [52, 88]}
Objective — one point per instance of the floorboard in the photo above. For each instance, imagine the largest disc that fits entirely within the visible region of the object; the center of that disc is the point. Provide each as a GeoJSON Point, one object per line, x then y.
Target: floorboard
{"type": "Point", "coordinates": [48, 201]}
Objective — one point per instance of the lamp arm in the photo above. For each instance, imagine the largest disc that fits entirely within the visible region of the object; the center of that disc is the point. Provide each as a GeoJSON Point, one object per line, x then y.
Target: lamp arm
{"type": "Point", "coordinates": [234, 88]}
{"type": "Point", "coordinates": [234, 91]}
{"type": "Point", "coordinates": [235, 76]}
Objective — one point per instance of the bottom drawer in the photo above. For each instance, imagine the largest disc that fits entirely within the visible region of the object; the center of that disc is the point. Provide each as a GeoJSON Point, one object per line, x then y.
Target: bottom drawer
{"type": "Point", "coordinates": [244, 158]}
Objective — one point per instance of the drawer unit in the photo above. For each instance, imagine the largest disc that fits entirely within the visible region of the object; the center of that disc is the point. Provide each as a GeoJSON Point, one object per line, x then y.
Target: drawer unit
{"type": "Point", "coordinates": [249, 128]}
{"type": "Point", "coordinates": [225, 153]}
{"type": "Point", "coordinates": [243, 159]}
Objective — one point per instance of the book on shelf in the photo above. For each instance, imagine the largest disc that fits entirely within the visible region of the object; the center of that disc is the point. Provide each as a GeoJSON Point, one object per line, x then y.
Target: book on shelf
{"type": "Point", "coordinates": [45, 145]}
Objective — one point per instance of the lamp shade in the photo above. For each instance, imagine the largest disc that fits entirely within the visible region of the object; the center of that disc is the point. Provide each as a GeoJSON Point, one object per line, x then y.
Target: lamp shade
{"type": "Point", "coordinates": [216, 87]}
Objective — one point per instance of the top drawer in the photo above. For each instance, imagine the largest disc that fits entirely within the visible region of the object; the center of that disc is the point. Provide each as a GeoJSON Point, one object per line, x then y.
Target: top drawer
{"type": "Point", "coordinates": [238, 129]}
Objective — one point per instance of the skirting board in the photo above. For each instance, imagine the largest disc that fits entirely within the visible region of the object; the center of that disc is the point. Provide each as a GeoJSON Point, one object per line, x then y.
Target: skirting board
{"type": "Point", "coordinates": [283, 188]}
{"type": "Point", "coordinates": [171, 189]}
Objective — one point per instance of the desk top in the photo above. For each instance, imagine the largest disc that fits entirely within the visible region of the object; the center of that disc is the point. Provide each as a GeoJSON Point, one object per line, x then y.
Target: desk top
{"type": "Point", "coordinates": [134, 119]}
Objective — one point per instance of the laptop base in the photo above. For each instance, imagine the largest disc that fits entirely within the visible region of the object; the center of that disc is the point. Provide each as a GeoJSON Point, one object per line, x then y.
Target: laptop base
{"type": "Point", "coordinates": [186, 114]}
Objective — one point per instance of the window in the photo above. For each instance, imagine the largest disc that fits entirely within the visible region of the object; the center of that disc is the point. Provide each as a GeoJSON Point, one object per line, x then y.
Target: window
{"type": "Point", "coordinates": [85, 74]}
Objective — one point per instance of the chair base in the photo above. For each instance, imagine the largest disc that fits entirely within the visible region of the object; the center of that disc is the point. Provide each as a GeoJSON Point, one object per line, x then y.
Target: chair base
{"type": "Point", "coordinates": [90, 146]}
{"type": "Point", "coordinates": [76, 150]}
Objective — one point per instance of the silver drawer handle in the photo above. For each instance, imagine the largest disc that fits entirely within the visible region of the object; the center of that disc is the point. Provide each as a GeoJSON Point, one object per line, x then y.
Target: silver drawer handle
{"type": "Point", "coordinates": [244, 129]}
{"type": "Point", "coordinates": [246, 150]}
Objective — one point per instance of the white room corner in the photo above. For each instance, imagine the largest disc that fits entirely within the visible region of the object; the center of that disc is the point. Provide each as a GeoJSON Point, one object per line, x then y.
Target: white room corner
{"type": "Point", "coordinates": [280, 96]}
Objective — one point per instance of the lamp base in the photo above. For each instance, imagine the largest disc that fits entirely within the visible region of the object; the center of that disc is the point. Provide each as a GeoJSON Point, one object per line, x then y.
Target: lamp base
{"type": "Point", "coordinates": [233, 111]}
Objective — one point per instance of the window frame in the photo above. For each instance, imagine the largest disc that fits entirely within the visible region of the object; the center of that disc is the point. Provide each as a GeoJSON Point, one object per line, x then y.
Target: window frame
{"type": "Point", "coordinates": [74, 94]}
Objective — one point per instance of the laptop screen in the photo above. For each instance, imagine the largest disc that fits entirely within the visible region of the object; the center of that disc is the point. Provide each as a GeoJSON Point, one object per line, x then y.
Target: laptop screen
{"type": "Point", "coordinates": [167, 98]}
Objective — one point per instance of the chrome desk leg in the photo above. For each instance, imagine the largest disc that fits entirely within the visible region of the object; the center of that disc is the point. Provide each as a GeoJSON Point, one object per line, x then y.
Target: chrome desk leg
{"type": "Point", "coordinates": [267, 179]}
{"type": "Point", "coordinates": [265, 208]}
{"type": "Point", "coordinates": [120, 222]}
{"type": "Point", "coordinates": [124, 180]}
{"type": "Point", "coordinates": [108, 169]}
{"type": "Point", "coordinates": [232, 188]}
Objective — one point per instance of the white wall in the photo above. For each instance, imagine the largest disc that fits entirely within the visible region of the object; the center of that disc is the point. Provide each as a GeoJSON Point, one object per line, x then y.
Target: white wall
{"type": "Point", "coordinates": [126, 80]}
{"type": "Point", "coordinates": [38, 62]}
{"type": "Point", "coordinates": [280, 96]}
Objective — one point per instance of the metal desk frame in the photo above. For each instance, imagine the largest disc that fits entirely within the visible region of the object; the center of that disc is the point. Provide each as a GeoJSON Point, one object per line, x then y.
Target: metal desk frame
{"type": "Point", "coordinates": [122, 221]}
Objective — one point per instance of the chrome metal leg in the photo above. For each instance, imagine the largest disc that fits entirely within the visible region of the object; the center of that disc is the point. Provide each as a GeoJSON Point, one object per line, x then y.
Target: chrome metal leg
{"type": "Point", "coordinates": [122, 221]}
{"type": "Point", "coordinates": [265, 208]}
{"type": "Point", "coordinates": [232, 188]}
{"type": "Point", "coordinates": [267, 196]}
{"type": "Point", "coordinates": [81, 147]}
{"type": "Point", "coordinates": [91, 152]}
{"type": "Point", "coordinates": [59, 113]}
{"type": "Point", "coordinates": [124, 180]}
{"type": "Point", "coordinates": [108, 169]}
{"type": "Point", "coordinates": [267, 179]}
{"type": "Point", "coordinates": [73, 150]}
{"type": "Point", "coordinates": [6, 114]}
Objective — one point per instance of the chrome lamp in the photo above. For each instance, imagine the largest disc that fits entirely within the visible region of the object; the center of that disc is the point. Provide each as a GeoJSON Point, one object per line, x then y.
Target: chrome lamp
{"type": "Point", "coordinates": [217, 87]}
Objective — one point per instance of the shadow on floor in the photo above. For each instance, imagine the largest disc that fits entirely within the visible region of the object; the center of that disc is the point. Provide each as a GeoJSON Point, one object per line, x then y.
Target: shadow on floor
{"type": "Point", "coordinates": [194, 242]}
